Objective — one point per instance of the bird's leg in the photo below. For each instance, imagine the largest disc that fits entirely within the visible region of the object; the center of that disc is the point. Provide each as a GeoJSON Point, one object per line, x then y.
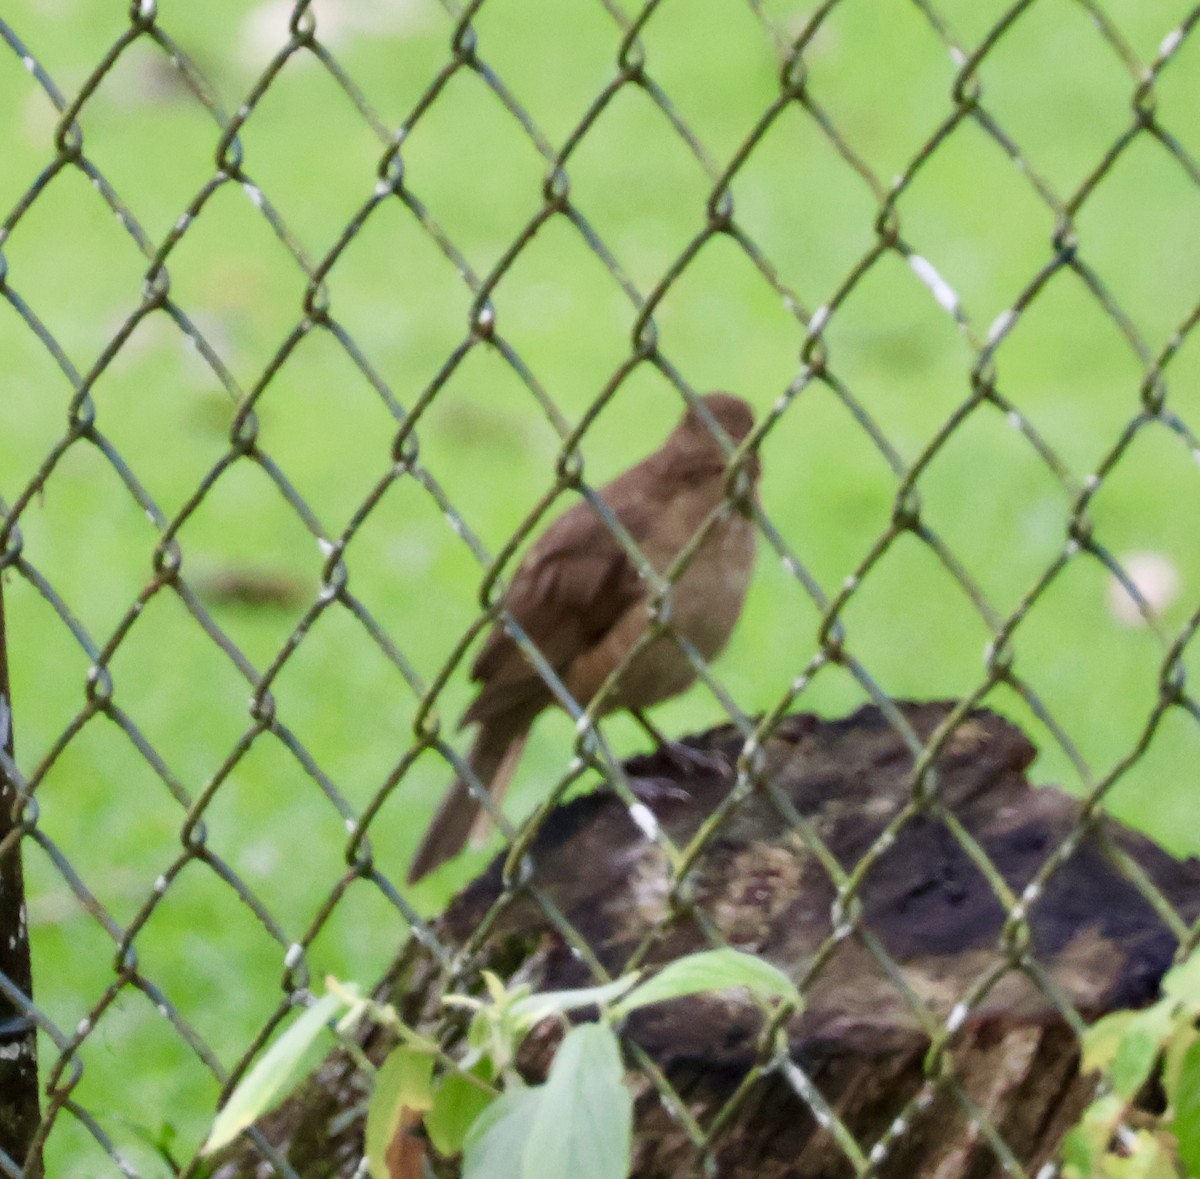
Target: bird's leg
{"type": "Point", "coordinates": [683, 757]}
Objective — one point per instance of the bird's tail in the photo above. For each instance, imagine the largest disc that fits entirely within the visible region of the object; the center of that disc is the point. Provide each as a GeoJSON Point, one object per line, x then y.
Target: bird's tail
{"type": "Point", "coordinates": [493, 758]}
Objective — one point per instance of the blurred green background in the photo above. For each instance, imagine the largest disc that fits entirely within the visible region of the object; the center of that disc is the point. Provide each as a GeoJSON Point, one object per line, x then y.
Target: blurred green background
{"type": "Point", "coordinates": [881, 77]}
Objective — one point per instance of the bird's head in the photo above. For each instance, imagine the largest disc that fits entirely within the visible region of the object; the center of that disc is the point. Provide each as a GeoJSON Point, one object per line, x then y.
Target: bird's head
{"type": "Point", "coordinates": [694, 444]}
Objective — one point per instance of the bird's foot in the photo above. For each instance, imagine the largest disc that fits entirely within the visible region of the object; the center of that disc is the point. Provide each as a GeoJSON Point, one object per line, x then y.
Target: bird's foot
{"type": "Point", "coordinates": [656, 790]}
{"type": "Point", "coordinates": [684, 759]}
{"type": "Point", "coordinates": [688, 760]}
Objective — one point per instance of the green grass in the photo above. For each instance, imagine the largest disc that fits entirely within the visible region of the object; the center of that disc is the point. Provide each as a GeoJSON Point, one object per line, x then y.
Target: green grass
{"type": "Point", "coordinates": [883, 78]}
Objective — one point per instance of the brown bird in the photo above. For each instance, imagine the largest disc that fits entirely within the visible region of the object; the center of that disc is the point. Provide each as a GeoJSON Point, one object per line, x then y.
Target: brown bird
{"type": "Point", "coordinates": [579, 598]}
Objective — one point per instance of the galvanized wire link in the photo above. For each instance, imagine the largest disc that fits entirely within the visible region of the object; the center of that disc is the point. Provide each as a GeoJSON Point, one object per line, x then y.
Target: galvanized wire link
{"type": "Point", "coordinates": [391, 186]}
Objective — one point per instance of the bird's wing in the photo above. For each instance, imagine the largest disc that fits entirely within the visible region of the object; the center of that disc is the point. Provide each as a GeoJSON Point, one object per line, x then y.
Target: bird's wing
{"type": "Point", "coordinates": [569, 591]}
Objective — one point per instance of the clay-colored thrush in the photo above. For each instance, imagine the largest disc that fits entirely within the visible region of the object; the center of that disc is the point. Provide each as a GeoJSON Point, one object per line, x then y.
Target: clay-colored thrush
{"type": "Point", "coordinates": [579, 598]}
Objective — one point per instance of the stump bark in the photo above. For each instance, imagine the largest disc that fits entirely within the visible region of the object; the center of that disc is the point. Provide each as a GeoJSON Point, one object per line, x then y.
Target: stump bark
{"type": "Point", "coordinates": [926, 932]}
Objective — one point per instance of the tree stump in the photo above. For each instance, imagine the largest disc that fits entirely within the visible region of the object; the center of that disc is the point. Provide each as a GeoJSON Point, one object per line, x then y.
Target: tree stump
{"type": "Point", "coordinates": [921, 956]}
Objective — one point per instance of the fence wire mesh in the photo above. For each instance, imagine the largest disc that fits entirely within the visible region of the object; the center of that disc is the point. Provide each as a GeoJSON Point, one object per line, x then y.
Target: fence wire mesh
{"type": "Point", "coordinates": [432, 267]}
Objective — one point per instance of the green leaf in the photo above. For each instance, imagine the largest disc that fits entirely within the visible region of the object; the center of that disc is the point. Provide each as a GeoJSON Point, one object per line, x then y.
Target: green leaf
{"type": "Point", "coordinates": [1185, 1102]}
{"type": "Point", "coordinates": [1182, 982]}
{"type": "Point", "coordinates": [404, 1081]}
{"type": "Point", "coordinates": [583, 1126]}
{"type": "Point", "coordinates": [457, 1102]}
{"type": "Point", "coordinates": [1140, 1046]}
{"type": "Point", "coordinates": [1085, 1148]}
{"type": "Point", "coordinates": [533, 1008]}
{"type": "Point", "coordinates": [260, 1087]}
{"type": "Point", "coordinates": [1077, 1151]}
{"type": "Point", "coordinates": [712, 970]}
{"type": "Point", "coordinates": [1146, 1156]}
{"type": "Point", "coordinates": [1103, 1038]}
{"type": "Point", "coordinates": [1182, 1038]}
{"type": "Point", "coordinates": [495, 1144]}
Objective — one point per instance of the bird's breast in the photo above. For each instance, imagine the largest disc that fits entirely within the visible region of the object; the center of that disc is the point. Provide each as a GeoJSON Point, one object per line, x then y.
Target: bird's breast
{"type": "Point", "coordinates": [707, 598]}
{"type": "Point", "coordinates": [705, 601]}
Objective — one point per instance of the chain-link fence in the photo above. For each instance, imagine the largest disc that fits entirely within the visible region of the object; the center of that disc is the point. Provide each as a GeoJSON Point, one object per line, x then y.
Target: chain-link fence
{"type": "Point", "coordinates": [316, 316]}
